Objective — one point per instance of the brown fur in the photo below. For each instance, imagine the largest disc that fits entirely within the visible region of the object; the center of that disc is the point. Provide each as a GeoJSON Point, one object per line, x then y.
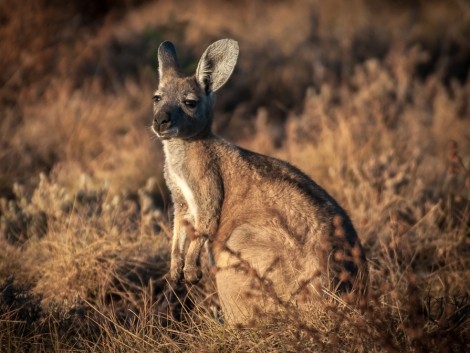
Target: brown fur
{"type": "Point", "coordinates": [274, 233]}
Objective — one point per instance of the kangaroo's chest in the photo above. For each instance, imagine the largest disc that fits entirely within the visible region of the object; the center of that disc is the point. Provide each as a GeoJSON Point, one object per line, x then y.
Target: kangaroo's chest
{"type": "Point", "coordinates": [180, 185]}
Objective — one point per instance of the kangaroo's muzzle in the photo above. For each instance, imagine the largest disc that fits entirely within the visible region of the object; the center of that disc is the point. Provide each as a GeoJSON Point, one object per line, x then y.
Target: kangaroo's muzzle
{"type": "Point", "coordinates": [164, 125]}
{"type": "Point", "coordinates": [162, 122]}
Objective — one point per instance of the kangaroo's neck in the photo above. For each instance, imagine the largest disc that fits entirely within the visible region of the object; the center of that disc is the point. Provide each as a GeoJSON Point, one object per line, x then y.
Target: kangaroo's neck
{"type": "Point", "coordinates": [177, 151]}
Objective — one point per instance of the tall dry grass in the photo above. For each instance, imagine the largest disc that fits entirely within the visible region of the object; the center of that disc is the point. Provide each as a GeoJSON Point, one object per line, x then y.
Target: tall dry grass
{"type": "Point", "coordinates": [369, 100]}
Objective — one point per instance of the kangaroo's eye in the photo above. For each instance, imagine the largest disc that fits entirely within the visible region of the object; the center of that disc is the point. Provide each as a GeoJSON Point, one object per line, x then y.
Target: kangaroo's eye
{"type": "Point", "coordinates": [190, 103]}
{"type": "Point", "coordinates": [157, 98]}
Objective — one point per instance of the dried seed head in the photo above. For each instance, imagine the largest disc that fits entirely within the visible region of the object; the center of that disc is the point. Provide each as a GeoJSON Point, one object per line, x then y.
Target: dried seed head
{"type": "Point", "coordinates": [339, 232]}
{"type": "Point", "coordinates": [452, 145]}
{"type": "Point", "coordinates": [415, 332]}
{"type": "Point", "coordinates": [338, 221]}
{"type": "Point", "coordinates": [385, 287]}
{"type": "Point", "coordinates": [356, 252]}
{"type": "Point", "coordinates": [252, 272]}
{"type": "Point", "coordinates": [452, 170]}
{"type": "Point", "coordinates": [349, 297]}
{"type": "Point", "coordinates": [412, 278]}
{"type": "Point", "coordinates": [247, 295]}
{"type": "Point", "coordinates": [455, 158]}
{"type": "Point", "coordinates": [449, 309]}
{"type": "Point", "coordinates": [339, 255]}
{"type": "Point", "coordinates": [344, 276]}
{"type": "Point", "coordinates": [334, 341]}
{"type": "Point", "coordinates": [394, 243]}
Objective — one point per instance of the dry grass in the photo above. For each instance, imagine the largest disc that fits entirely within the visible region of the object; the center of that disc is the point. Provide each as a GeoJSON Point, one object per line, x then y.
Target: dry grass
{"type": "Point", "coordinates": [371, 101]}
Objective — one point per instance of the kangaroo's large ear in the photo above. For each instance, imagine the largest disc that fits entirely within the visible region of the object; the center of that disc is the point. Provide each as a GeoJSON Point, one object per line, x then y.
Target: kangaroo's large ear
{"type": "Point", "coordinates": [217, 64]}
{"type": "Point", "coordinates": [167, 60]}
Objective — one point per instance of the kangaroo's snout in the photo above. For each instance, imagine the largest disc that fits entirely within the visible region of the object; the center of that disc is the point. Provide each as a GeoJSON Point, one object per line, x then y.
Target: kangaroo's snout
{"type": "Point", "coordinates": [163, 122]}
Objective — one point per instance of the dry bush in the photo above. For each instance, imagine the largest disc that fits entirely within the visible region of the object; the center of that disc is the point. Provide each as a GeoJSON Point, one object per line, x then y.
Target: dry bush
{"type": "Point", "coordinates": [370, 100]}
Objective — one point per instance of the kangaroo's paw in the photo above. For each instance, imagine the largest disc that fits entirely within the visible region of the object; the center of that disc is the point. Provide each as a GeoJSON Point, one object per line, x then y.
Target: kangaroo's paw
{"type": "Point", "coordinates": [175, 275]}
{"type": "Point", "coordinates": [192, 274]}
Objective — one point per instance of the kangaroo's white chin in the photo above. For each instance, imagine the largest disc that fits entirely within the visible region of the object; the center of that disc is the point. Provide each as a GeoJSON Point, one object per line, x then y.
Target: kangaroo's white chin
{"type": "Point", "coordinates": [167, 134]}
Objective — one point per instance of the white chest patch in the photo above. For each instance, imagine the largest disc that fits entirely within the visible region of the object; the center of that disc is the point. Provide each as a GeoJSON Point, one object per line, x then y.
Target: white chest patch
{"type": "Point", "coordinates": [187, 193]}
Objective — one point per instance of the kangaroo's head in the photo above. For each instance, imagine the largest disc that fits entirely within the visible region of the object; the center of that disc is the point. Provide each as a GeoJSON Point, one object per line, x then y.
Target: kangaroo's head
{"type": "Point", "coordinates": [182, 106]}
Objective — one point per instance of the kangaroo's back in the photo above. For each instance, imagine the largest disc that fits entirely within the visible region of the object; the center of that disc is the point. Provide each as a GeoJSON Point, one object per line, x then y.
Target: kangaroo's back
{"type": "Point", "coordinates": [276, 236]}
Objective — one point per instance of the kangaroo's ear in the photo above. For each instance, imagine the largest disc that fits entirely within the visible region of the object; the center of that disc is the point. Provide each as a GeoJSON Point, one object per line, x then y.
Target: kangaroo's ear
{"type": "Point", "coordinates": [167, 60]}
{"type": "Point", "coordinates": [217, 64]}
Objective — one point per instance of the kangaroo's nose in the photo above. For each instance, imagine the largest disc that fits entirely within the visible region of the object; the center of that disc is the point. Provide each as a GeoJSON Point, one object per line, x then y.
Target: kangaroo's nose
{"type": "Point", "coordinates": [162, 118]}
{"type": "Point", "coordinates": [162, 122]}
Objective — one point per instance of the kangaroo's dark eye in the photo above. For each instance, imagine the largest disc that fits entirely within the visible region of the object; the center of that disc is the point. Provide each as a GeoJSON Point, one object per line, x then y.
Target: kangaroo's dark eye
{"type": "Point", "coordinates": [190, 103]}
{"type": "Point", "coordinates": [157, 98]}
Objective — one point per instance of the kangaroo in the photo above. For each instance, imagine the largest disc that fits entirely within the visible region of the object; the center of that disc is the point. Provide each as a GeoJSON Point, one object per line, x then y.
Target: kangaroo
{"type": "Point", "coordinates": [270, 228]}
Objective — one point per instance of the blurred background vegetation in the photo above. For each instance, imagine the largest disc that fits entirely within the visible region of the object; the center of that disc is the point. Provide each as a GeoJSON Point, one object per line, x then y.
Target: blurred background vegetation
{"type": "Point", "coordinates": [371, 99]}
